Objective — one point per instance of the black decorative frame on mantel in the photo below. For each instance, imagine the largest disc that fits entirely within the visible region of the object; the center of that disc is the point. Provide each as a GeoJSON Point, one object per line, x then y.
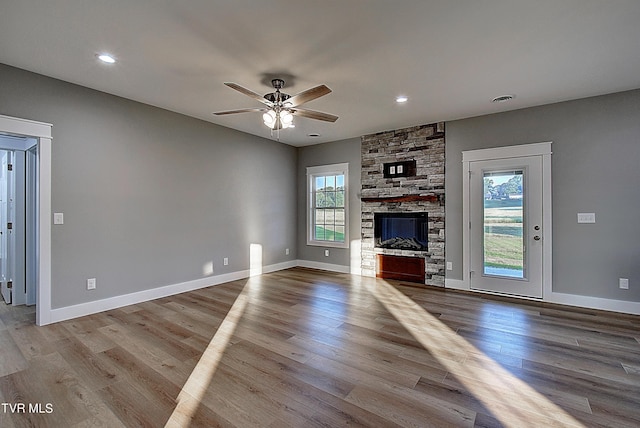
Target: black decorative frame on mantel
{"type": "Point", "coordinates": [399, 169]}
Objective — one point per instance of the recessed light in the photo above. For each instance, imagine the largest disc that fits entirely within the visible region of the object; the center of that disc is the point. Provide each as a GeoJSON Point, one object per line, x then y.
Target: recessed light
{"type": "Point", "coordinates": [402, 99]}
{"type": "Point", "coordinates": [106, 58]}
{"type": "Point", "coordinates": [503, 98]}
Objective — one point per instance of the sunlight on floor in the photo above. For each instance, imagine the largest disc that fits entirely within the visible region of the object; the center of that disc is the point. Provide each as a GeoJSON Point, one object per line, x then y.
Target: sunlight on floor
{"type": "Point", "coordinates": [507, 398]}
{"type": "Point", "coordinates": [194, 389]}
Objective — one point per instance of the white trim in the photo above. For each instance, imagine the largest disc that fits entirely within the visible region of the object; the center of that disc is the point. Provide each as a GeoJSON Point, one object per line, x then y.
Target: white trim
{"type": "Point", "coordinates": [323, 266]}
{"type": "Point", "coordinates": [534, 149]}
{"type": "Point", "coordinates": [279, 266]}
{"type": "Point", "coordinates": [25, 127]}
{"type": "Point", "coordinates": [312, 171]}
{"type": "Point", "coordinates": [600, 303]}
{"type": "Point", "coordinates": [587, 302]}
{"type": "Point", "coordinates": [455, 284]}
{"type": "Point", "coordinates": [96, 306]}
{"type": "Point", "coordinates": [43, 299]}
{"type": "Point", "coordinates": [89, 308]}
{"type": "Point", "coordinates": [41, 131]}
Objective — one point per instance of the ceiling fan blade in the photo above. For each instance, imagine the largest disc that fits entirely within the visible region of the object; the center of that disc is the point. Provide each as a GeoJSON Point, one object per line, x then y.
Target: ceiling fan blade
{"type": "Point", "coordinates": [308, 95]}
{"type": "Point", "coordinates": [312, 114]}
{"type": "Point", "coordinates": [242, 110]}
{"type": "Point", "coordinates": [249, 93]}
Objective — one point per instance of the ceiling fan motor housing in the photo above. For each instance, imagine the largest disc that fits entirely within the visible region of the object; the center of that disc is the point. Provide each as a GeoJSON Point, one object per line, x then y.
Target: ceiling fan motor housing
{"type": "Point", "coordinates": [277, 96]}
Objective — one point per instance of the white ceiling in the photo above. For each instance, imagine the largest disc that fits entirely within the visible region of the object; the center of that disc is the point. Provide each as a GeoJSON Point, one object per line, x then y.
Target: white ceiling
{"type": "Point", "coordinates": [450, 57]}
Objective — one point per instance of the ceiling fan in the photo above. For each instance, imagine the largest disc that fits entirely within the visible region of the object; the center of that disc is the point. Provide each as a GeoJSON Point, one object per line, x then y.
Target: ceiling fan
{"type": "Point", "coordinates": [280, 107]}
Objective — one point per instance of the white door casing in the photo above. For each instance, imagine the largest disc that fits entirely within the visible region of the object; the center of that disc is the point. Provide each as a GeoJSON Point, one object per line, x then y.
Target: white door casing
{"type": "Point", "coordinates": [42, 132]}
{"type": "Point", "coordinates": [534, 162]}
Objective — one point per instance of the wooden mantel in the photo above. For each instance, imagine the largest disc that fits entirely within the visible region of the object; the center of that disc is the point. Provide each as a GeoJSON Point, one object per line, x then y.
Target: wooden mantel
{"type": "Point", "coordinates": [406, 198]}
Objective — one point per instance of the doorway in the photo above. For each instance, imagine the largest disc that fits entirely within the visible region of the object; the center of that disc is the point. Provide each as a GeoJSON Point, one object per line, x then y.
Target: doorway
{"type": "Point", "coordinates": [508, 243]}
{"type": "Point", "coordinates": [17, 245]}
{"type": "Point", "coordinates": [34, 141]}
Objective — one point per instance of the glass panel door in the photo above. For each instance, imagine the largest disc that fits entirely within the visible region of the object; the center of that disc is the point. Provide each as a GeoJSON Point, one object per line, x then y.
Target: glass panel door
{"type": "Point", "coordinates": [503, 248]}
{"type": "Point", "coordinates": [505, 213]}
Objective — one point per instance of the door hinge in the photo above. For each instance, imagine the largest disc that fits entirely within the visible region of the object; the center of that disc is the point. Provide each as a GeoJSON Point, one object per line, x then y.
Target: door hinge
{"type": "Point", "coordinates": [10, 167]}
{"type": "Point", "coordinates": [9, 225]}
{"type": "Point", "coordinates": [9, 284]}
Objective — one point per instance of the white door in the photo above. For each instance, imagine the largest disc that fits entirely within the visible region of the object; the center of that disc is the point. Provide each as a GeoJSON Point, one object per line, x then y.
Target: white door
{"type": "Point", "coordinates": [6, 235]}
{"type": "Point", "coordinates": [12, 226]}
{"type": "Point", "coordinates": [506, 226]}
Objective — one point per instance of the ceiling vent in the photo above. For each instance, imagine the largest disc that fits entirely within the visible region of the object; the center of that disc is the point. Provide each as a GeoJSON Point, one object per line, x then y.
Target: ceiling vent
{"type": "Point", "coordinates": [503, 98]}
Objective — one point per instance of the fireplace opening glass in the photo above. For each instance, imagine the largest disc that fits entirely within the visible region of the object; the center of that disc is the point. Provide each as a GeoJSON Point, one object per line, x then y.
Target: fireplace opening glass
{"type": "Point", "coordinates": [401, 231]}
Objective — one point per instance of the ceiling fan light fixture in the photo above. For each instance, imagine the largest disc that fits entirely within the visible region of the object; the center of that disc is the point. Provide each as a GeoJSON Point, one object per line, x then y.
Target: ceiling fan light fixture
{"type": "Point", "coordinates": [278, 119]}
{"type": "Point", "coordinates": [270, 118]}
{"type": "Point", "coordinates": [282, 107]}
{"type": "Point", "coordinates": [286, 118]}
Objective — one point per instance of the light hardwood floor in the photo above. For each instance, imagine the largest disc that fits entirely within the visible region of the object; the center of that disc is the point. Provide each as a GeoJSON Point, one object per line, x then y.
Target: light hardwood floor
{"type": "Point", "coordinates": [308, 348]}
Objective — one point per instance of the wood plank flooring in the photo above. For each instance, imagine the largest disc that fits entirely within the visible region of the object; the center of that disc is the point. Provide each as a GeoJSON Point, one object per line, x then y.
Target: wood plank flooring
{"type": "Point", "coordinates": [309, 348]}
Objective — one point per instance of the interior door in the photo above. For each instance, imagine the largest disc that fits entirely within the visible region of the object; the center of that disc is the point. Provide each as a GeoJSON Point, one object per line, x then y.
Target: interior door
{"type": "Point", "coordinates": [506, 213]}
{"type": "Point", "coordinates": [5, 236]}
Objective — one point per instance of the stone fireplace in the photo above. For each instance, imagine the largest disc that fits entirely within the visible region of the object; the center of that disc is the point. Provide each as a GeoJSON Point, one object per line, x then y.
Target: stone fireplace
{"type": "Point", "coordinates": [403, 173]}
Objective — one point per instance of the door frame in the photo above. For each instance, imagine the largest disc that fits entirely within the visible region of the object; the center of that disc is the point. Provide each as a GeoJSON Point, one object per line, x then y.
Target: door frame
{"type": "Point", "coordinates": [42, 133]}
{"type": "Point", "coordinates": [508, 152]}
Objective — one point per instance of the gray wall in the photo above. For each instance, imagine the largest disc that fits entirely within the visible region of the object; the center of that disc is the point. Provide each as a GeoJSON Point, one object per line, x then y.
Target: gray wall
{"type": "Point", "coordinates": [595, 168]}
{"type": "Point", "coordinates": [326, 154]}
{"type": "Point", "coordinates": [150, 196]}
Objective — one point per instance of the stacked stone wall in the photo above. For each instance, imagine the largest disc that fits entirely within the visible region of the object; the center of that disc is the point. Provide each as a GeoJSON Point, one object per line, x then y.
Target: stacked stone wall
{"type": "Point", "coordinates": [425, 145]}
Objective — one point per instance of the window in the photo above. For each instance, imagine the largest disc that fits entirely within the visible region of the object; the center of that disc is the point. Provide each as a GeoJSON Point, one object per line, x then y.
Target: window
{"type": "Point", "coordinates": [327, 205]}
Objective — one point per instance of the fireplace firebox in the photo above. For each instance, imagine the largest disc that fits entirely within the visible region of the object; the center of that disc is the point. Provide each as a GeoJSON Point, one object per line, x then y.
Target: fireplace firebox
{"type": "Point", "coordinates": [401, 231]}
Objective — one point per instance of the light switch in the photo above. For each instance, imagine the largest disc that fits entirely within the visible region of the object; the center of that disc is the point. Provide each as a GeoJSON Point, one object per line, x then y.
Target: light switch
{"type": "Point", "coordinates": [58, 218]}
{"type": "Point", "coordinates": [586, 217]}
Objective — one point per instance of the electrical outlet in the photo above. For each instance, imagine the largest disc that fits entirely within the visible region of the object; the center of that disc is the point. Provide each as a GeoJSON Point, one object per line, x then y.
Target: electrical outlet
{"type": "Point", "coordinates": [91, 284]}
{"type": "Point", "coordinates": [326, 253]}
{"type": "Point", "coordinates": [623, 283]}
{"type": "Point", "coordinates": [58, 218]}
{"type": "Point", "coordinates": [449, 266]}
{"type": "Point", "coordinates": [225, 261]}
{"type": "Point", "coordinates": [586, 217]}
{"type": "Point", "coordinates": [286, 251]}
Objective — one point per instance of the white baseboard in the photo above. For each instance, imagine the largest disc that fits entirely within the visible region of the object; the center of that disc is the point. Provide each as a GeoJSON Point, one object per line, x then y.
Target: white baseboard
{"type": "Point", "coordinates": [588, 302]}
{"type": "Point", "coordinates": [456, 284]}
{"type": "Point", "coordinates": [324, 266]}
{"type": "Point", "coordinates": [594, 303]}
{"type": "Point", "coordinates": [83, 309]}
{"type": "Point", "coordinates": [280, 266]}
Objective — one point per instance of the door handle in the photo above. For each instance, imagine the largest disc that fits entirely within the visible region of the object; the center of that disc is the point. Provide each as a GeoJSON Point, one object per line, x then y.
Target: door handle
{"type": "Point", "coordinates": [537, 238]}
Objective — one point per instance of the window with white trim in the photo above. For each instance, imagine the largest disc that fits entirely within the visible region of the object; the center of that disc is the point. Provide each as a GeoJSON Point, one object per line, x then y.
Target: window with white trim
{"type": "Point", "coordinates": [327, 210]}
